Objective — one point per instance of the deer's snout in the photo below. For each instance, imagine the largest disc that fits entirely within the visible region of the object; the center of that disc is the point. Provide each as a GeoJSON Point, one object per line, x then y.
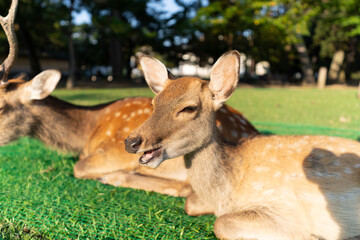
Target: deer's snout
{"type": "Point", "coordinates": [132, 145]}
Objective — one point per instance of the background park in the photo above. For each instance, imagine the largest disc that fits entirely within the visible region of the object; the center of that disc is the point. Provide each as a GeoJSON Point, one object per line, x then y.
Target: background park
{"type": "Point", "coordinates": [284, 46]}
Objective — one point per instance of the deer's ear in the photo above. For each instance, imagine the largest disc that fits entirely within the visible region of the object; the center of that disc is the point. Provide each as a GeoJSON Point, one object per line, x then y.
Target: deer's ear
{"type": "Point", "coordinates": [224, 77]}
{"type": "Point", "coordinates": [155, 73]}
{"type": "Point", "coordinates": [42, 85]}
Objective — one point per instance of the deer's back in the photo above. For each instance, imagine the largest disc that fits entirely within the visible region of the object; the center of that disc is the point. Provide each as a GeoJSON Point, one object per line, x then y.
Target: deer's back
{"type": "Point", "coordinates": [315, 178]}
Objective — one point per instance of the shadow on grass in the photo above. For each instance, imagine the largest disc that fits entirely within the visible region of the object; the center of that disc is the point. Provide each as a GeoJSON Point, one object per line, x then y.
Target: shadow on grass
{"type": "Point", "coordinates": [266, 132]}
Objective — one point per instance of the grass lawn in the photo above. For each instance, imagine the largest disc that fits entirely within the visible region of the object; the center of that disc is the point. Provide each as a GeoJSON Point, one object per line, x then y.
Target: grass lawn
{"type": "Point", "coordinates": [40, 198]}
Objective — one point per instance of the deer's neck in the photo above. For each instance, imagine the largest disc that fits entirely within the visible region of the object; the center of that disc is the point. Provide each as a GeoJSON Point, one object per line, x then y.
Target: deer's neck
{"type": "Point", "coordinates": [208, 173]}
{"type": "Point", "coordinates": [63, 125]}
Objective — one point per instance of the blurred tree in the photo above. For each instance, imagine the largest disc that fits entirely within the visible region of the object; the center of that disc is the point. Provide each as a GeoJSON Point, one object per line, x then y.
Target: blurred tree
{"type": "Point", "coordinates": [328, 28]}
{"type": "Point", "coordinates": [72, 58]}
{"type": "Point", "coordinates": [243, 25]}
{"type": "Point", "coordinates": [34, 36]}
{"type": "Point", "coordinates": [293, 17]}
{"type": "Point", "coordinates": [290, 34]}
{"type": "Point", "coordinates": [177, 32]}
{"type": "Point", "coordinates": [121, 26]}
{"type": "Point", "coordinates": [336, 34]}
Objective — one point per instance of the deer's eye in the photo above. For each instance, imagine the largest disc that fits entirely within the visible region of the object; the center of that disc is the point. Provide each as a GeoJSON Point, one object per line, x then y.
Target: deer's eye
{"type": "Point", "coordinates": [189, 109]}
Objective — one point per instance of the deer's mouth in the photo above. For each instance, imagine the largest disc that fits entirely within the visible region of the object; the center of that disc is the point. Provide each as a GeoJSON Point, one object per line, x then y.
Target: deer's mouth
{"type": "Point", "coordinates": [150, 155]}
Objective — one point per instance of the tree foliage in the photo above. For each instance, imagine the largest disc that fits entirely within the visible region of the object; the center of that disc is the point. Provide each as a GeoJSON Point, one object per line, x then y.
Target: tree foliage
{"type": "Point", "coordinates": [270, 30]}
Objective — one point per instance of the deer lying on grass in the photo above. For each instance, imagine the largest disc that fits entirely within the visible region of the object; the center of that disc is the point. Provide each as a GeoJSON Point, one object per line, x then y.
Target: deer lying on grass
{"type": "Point", "coordinates": [266, 187]}
{"type": "Point", "coordinates": [97, 132]}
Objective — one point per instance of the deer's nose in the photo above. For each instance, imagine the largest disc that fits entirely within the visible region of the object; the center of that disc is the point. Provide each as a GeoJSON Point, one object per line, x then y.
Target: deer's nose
{"type": "Point", "coordinates": [132, 144]}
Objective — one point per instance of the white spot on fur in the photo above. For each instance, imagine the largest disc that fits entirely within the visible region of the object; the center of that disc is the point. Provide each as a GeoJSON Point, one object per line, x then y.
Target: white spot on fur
{"type": "Point", "coordinates": [108, 133]}
{"type": "Point", "coordinates": [117, 114]}
{"type": "Point", "coordinates": [273, 160]}
{"type": "Point", "coordinates": [336, 163]}
{"type": "Point", "coordinates": [124, 116]}
{"type": "Point", "coordinates": [268, 192]}
{"type": "Point", "coordinates": [343, 150]}
{"type": "Point", "coordinates": [140, 111]}
{"type": "Point", "coordinates": [317, 174]}
{"type": "Point", "coordinates": [126, 129]}
{"type": "Point", "coordinates": [223, 110]}
{"type": "Point", "coordinates": [268, 146]}
{"type": "Point", "coordinates": [136, 102]}
{"type": "Point", "coordinates": [295, 175]}
{"type": "Point", "coordinates": [308, 196]}
{"type": "Point", "coordinates": [128, 104]}
{"type": "Point", "coordinates": [352, 195]}
{"type": "Point", "coordinates": [279, 146]}
{"type": "Point", "coordinates": [348, 170]}
{"type": "Point", "coordinates": [238, 117]}
{"type": "Point", "coordinates": [146, 110]}
{"type": "Point", "coordinates": [357, 165]}
{"type": "Point", "coordinates": [257, 186]}
{"type": "Point", "coordinates": [234, 133]}
{"type": "Point", "coordinates": [220, 128]}
{"type": "Point", "coordinates": [262, 169]}
{"type": "Point", "coordinates": [132, 114]}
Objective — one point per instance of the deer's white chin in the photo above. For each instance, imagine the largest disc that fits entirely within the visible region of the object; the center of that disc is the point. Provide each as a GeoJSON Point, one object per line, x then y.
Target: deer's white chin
{"type": "Point", "coordinates": [152, 158]}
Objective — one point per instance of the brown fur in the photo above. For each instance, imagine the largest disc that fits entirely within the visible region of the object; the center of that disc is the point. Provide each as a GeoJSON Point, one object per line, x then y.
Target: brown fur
{"type": "Point", "coordinates": [98, 134]}
{"type": "Point", "coordinates": [265, 187]}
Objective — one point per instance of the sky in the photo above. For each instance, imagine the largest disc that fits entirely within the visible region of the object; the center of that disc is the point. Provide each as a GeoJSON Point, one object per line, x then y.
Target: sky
{"type": "Point", "coordinates": [167, 5]}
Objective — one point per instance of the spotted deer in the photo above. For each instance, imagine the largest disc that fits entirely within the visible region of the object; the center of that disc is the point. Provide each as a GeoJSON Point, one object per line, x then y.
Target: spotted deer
{"type": "Point", "coordinates": [265, 187]}
{"type": "Point", "coordinates": [96, 132]}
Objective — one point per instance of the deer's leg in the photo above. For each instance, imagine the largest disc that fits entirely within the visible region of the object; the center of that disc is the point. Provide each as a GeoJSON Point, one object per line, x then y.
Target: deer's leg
{"type": "Point", "coordinates": [148, 183]}
{"type": "Point", "coordinates": [256, 224]}
{"type": "Point", "coordinates": [101, 161]}
{"type": "Point", "coordinates": [194, 206]}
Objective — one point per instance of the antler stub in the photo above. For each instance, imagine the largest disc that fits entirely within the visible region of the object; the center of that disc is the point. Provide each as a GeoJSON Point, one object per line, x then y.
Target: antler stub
{"type": "Point", "coordinates": [7, 24]}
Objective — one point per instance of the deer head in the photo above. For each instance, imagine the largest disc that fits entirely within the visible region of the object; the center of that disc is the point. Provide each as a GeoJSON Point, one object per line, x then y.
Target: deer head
{"type": "Point", "coordinates": [16, 99]}
{"type": "Point", "coordinates": [184, 110]}
{"type": "Point", "coordinates": [7, 24]}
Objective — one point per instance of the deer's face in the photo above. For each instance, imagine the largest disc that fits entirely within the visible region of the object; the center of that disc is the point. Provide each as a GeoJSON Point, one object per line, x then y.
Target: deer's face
{"type": "Point", "coordinates": [184, 110]}
{"type": "Point", "coordinates": [16, 99]}
{"type": "Point", "coordinates": [182, 122]}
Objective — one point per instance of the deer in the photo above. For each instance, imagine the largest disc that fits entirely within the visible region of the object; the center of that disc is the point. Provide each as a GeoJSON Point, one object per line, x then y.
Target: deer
{"type": "Point", "coordinates": [263, 187]}
{"type": "Point", "coordinates": [96, 133]}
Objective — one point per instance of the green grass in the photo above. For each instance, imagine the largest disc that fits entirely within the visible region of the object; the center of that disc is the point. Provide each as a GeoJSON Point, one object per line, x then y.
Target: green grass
{"type": "Point", "coordinates": [40, 198]}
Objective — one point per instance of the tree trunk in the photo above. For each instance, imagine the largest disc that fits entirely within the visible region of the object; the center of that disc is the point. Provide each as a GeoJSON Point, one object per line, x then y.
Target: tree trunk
{"type": "Point", "coordinates": [116, 54]}
{"type": "Point", "coordinates": [128, 59]}
{"type": "Point", "coordinates": [306, 66]}
{"type": "Point", "coordinates": [72, 61]}
{"type": "Point", "coordinates": [322, 78]}
{"type": "Point", "coordinates": [34, 61]}
{"type": "Point", "coordinates": [116, 59]}
{"type": "Point", "coordinates": [335, 67]}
